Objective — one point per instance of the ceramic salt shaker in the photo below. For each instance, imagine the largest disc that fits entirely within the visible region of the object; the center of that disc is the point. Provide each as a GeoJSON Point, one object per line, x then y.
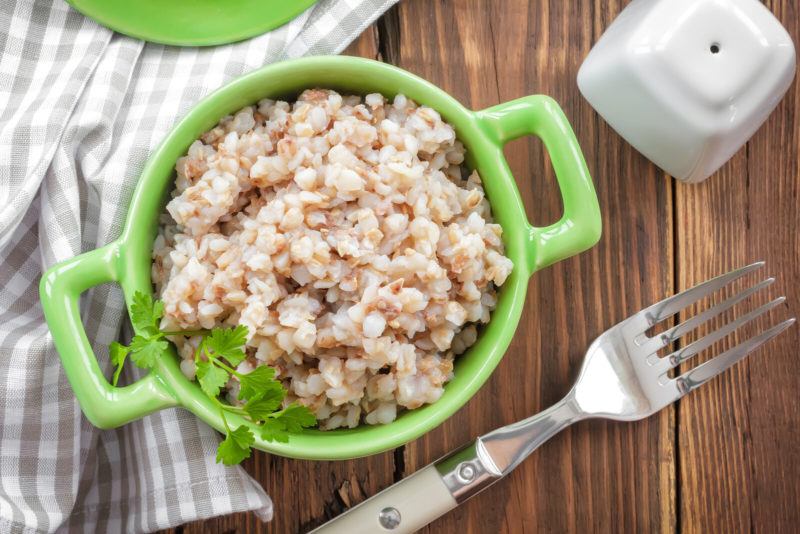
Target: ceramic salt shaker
{"type": "Point", "coordinates": [688, 82]}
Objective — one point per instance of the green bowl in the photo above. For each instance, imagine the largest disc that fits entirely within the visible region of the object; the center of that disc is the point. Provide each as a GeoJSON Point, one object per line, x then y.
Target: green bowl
{"type": "Point", "coordinates": [126, 261]}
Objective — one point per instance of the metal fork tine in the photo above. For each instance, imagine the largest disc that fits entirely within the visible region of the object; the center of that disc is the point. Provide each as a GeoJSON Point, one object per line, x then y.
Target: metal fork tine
{"type": "Point", "coordinates": [672, 305]}
{"type": "Point", "coordinates": [676, 332]}
{"type": "Point", "coordinates": [690, 350]}
{"type": "Point", "coordinates": [704, 372]}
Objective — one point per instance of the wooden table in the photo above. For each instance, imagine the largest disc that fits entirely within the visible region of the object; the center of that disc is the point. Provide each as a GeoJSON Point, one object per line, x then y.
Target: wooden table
{"type": "Point", "coordinates": [724, 460]}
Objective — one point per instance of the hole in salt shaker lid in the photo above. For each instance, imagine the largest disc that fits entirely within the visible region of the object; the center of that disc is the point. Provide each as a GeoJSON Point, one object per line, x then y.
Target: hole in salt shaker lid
{"type": "Point", "coordinates": [715, 48]}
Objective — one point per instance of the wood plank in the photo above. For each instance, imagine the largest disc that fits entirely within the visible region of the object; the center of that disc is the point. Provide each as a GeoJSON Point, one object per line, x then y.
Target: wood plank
{"type": "Point", "coordinates": [738, 436]}
{"type": "Point", "coordinates": [597, 476]}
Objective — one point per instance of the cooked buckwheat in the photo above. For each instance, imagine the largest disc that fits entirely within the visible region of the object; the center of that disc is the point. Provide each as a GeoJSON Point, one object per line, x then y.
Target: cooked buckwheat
{"type": "Point", "coordinates": [349, 239]}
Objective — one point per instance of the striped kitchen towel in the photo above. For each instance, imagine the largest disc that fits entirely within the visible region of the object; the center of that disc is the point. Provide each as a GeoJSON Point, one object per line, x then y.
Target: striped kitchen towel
{"type": "Point", "coordinates": [81, 108]}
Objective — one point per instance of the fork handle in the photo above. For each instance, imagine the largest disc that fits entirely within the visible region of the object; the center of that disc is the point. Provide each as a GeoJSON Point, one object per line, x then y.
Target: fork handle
{"type": "Point", "coordinates": [412, 503]}
{"type": "Point", "coordinates": [402, 508]}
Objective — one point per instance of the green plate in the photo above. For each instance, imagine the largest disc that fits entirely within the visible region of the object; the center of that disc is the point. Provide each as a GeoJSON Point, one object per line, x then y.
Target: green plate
{"type": "Point", "coordinates": [192, 22]}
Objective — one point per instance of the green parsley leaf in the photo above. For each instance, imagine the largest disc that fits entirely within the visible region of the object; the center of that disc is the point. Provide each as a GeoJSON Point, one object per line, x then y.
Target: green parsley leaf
{"type": "Point", "coordinates": [211, 377]}
{"type": "Point", "coordinates": [236, 446]}
{"type": "Point", "coordinates": [295, 417]}
{"type": "Point", "coordinates": [262, 406]}
{"type": "Point", "coordinates": [117, 352]}
{"type": "Point", "coordinates": [256, 382]}
{"type": "Point", "coordinates": [227, 343]}
{"type": "Point", "coordinates": [274, 430]}
{"type": "Point", "coordinates": [145, 351]}
{"type": "Point", "coordinates": [146, 314]}
{"type": "Point", "coordinates": [224, 350]}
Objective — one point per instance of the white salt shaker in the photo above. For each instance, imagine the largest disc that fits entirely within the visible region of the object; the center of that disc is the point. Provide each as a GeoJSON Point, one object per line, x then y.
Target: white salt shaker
{"type": "Point", "coordinates": [687, 82]}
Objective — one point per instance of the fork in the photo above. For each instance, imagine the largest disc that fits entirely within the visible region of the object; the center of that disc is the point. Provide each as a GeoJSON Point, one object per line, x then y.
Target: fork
{"type": "Point", "coordinates": [622, 378]}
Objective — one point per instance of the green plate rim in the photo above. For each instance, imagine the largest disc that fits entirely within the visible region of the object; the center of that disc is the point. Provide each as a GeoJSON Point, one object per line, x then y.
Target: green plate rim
{"type": "Point", "coordinates": [99, 12]}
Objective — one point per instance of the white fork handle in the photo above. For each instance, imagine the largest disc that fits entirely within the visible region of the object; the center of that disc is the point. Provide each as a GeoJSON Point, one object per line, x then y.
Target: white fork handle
{"type": "Point", "coordinates": [414, 502]}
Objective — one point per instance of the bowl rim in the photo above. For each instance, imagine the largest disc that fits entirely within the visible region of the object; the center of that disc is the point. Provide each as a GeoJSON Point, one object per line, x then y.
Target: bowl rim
{"type": "Point", "coordinates": [127, 260]}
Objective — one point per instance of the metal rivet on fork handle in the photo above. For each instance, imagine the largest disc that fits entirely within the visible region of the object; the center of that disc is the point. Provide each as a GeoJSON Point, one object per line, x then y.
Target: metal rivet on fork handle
{"type": "Point", "coordinates": [389, 518]}
{"type": "Point", "coordinates": [466, 472]}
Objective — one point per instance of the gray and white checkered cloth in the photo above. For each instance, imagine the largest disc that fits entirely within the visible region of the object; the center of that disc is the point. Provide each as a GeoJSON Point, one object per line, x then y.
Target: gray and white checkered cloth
{"type": "Point", "coordinates": [81, 108]}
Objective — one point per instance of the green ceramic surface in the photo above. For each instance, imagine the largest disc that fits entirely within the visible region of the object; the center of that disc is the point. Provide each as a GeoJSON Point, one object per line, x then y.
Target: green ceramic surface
{"type": "Point", "coordinates": [126, 261]}
{"type": "Point", "coordinates": [192, 22]}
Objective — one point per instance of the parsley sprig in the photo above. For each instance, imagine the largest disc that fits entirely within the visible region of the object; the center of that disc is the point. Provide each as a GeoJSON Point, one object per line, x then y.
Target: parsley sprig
{"type": "Point", "coordinates": [218, 354]}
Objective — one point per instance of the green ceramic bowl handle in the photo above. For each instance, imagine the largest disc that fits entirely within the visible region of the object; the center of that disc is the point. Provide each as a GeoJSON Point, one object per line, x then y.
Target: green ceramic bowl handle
{"type": "Point", "coordinates": [105, 406]}
{"type": "Point", "coordinates": [580, 226]}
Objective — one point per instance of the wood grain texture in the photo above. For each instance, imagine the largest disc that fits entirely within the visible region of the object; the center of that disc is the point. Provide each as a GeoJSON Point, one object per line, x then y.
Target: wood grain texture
{"type": "Point", "coordinates": [727, 458]}
{"type": "Point", "coordinates": [739, 440]}
{"type": "Point", "coordinates": [596, 476]}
